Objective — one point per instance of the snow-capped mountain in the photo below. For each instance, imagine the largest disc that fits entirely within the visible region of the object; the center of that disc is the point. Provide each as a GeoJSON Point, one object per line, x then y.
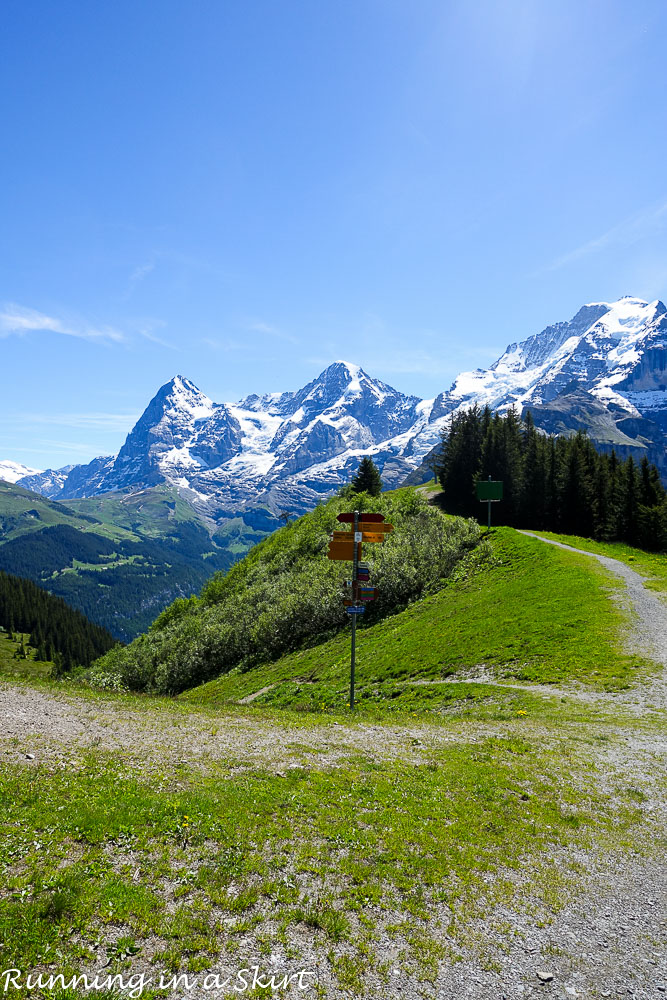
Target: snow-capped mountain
{"type": "Point", "coordinates": [599, 350]}
{"type": "Point", "coordinates": [276, 450]}
{"type": "Point", "coordinates": [604, 370]}
{"type": "Point", "coordinates": [615, 353]}
{"type": "Point", "coordinates": [49, 483]}
{"type": "Point", "coordinates": [11, 472]}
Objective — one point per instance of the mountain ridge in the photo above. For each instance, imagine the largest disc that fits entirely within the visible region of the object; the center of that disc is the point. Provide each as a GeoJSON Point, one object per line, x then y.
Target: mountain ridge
{"type": "Point", "coordinates": [289, 449]}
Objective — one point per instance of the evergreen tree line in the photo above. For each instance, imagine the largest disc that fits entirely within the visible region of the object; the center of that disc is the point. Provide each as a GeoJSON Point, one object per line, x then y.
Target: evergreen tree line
{"type": "Point", "coordinates": [553, 483]}
{"type": "Point", "coordinates": [57, 632]}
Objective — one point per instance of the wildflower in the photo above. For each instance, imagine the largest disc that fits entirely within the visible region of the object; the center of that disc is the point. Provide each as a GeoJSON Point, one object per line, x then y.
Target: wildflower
{"type": "Point", "coordinates": [522, 712]}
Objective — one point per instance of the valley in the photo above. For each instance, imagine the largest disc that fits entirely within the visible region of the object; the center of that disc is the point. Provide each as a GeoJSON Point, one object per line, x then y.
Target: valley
{"type": "Point", "coordinates": [333, 501]}
{"type": "Point", "coordinates": [146, 548]}
{"type": "Point", "coordinates": [197, 483]}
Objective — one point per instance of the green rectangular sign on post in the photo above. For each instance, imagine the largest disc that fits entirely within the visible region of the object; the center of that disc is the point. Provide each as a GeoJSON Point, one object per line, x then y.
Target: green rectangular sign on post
{"type": "Point", "coordinates": [488, 489]}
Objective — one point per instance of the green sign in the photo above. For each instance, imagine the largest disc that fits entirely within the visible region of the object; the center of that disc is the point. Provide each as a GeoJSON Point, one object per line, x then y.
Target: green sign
{"type": "Point", "coordinates": [488, 489]}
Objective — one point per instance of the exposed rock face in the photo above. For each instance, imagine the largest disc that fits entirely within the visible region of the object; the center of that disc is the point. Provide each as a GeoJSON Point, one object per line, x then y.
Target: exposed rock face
{"type": "Point", "coordinates": [603, 371]}
{"type": "Point", "coordinates": [610, 426]}
{"type": "Point", "coordinates": [162, 439]}
{"type": "Point", "coordinates": [85, 480]}
{"type": "Point", "coordinates": [615, 353]}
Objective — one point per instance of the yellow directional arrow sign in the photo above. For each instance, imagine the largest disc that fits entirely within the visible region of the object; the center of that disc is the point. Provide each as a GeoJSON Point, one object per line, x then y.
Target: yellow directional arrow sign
{"type": "Point", "coordinates": [366, 536]}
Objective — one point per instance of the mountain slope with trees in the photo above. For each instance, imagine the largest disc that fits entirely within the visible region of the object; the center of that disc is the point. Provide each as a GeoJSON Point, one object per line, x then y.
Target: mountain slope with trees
{"type": "Point", "coordinates": [118, 558]}
{"type": "Point", "coordinates": [560, 484]}
{"type": "Point", "coordinates": [57, 632]}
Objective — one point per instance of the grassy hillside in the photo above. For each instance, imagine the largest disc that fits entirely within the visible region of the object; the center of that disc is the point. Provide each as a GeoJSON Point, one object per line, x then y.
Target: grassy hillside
{"type": "Point", "coordinates": [286, 594]}
{"type": "Point", "coordinates": [188, 834]}
{"type": "Point", "coordinates": [23, 513]}
{"type": "Point", "coordinates": [16, 667]}
{"type": "Point", "coordinates": [119, 558]}
{"type": "Point", "coordinates": [530, 613]}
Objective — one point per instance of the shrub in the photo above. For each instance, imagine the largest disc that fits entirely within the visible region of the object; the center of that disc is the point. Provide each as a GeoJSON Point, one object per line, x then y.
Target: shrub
{"type": "Point", "coordinates": [286, 594]}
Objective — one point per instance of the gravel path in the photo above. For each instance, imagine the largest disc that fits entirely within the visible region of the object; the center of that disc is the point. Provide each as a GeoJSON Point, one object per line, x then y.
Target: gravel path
{"type": "Point", "coordinates": [646, 633]}
{"type": "Point", "coordinates": [609, 940]}
{"type": "Point", "coordinates": [55, 725]}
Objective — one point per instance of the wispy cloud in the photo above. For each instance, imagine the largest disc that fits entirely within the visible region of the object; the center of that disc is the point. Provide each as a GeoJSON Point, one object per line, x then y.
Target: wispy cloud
{"type": "Point", "coordinates": [98, 421]}
{"type": "Point", "coordinates": [268, 330]}
{"type": "Point", "coordinates": [631, 230]}
{"type": "Point", "coordinates": [141, 272]}
{"type": "Point", "coordinates": [16, 319]}
{"type": "Point", "coordinates": [137, 275]}
{"type": "Point", "coordinates": [147, 331]}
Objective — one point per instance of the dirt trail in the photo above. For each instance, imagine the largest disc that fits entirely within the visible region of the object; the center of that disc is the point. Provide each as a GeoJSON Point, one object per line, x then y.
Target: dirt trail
{"type": "Point", "coordinates": [646, 633]}
{"type": "Point", "coordinates": [49, 724]}
{"type": "Point", "coordinates": [649, 634]}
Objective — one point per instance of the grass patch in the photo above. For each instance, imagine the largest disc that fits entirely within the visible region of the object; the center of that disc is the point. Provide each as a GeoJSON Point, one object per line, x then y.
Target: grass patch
{"type": "Point", "coordinates": [651, 565]}
{"type": "Point", "coordinates": [534, 613]}
{"type": "Point", "coordinates": [98, 861]}
{"type": "Point", "coordinates": [11, 667]}
{"type": "Point", "coordinates": [286, 593]}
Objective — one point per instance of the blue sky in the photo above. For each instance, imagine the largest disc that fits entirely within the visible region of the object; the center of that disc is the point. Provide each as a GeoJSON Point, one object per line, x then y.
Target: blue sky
{"type": "Point", "coordinates": [245, 192]}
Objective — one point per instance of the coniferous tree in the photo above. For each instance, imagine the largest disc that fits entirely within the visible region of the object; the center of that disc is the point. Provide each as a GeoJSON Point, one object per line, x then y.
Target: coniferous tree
{"type": "Point", "coordinates": [533, 508]}
{"type": "Point", "coordinates": [602, 500]}
{"type": "Point", "coordinates": [49, 624]}
{"type": "Point", "coordinates": [556, 483]}
{"type": "Point", "coordinates": [575, 490]}
{"type": "Point", "coordinates": [367, 478]}
{"type": "Point", "coordinates": [461, 460]}
{"type": "Point", "coordinates": [651, 490]}
{"type": "Point", "coordinates": [631, 498]}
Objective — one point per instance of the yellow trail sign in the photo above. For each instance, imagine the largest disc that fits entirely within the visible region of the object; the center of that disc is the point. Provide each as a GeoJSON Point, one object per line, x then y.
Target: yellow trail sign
{"type": "Point", "coordinates": [366, 536]}
{"type": "Point", "coordinates": [342, 550]}
{"type": "Point", "coordinates": [375, 528]}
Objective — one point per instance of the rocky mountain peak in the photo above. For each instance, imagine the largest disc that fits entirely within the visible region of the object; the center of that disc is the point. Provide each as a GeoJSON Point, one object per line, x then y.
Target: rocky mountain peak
{"type": "Point", "coordinates": [329, 386]}
{"type": "Point", "coordinates": [287, 449]}
{"type": "Point", "coordinates": [182, 396]}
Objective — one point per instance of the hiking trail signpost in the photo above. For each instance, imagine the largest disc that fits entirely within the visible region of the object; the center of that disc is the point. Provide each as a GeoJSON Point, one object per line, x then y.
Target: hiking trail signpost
{"type": "Point", "coordinates": [489, 491]}
{"type": "Point", "coordinates": [346, 545]}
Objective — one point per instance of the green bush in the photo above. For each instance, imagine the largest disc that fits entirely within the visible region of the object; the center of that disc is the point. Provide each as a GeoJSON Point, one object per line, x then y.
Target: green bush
{"type": "Point", "coordinates": [286, 594]}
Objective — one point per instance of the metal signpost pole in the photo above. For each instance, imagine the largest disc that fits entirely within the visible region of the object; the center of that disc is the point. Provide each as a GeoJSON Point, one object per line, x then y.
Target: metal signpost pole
{"type": "Point", "coordinates": [355, 598]}
{"type": "Point", "coordinates": [488, 523]}
{"type": "Point", "coordinates": [488, 492]}
{"type": "Point", "coordinates": [346, 545]}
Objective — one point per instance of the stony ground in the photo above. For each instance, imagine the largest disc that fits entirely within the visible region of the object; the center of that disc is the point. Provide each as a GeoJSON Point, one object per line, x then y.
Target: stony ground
{"type": "Point", "coordinates": [609, 940]}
